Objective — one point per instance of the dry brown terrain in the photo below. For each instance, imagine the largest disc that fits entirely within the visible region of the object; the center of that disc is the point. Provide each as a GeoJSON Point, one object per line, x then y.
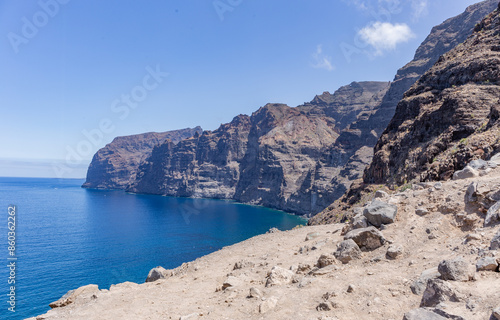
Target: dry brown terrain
{"type": "Point", "coordinates": [381, 287]}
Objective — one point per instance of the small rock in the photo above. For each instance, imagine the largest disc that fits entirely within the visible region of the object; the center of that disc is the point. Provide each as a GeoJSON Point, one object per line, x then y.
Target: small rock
{"type": "Point", "coordinates": [394, 251]}
{"type": "Point", "coordinates": [486, 264]}
{"type": "Point", "coordinates": [351, 288]}
{"type": "Point", "coordinates": [493, 214]}
{"type": "Point", "coordinates": [470, 194]}
{"type": "Point", "coordinates": [438, 186]}
{"type": "Point", "coordinates": [325, 260]}
{"type": "Point", "coordinates": [454, 269]}
{"type": "Point", "coordinates": [157, 274]}
{"type": "Point", "coordinates": [243, 264]}
{"type": "Point", "coordinates": [482, 165]}
{"type": "Point", "coordinates": [381, 194]}
{"type": "Point", "coordinates": [496, 313]}
{"type": "Point", "coordinates": [323, 306]}
{"type": "Point", "coordinates": [429, 314]}
{"type": "Point", "coordinates": [269, 304]}
{"type": "Point", "coordinates": [278, 276]}
{"type": "Point", "coordinates": [495, 242]}
{"type": "Point", "coordinates": [419, 285]}
{"type": "Point", "coordinates": [347, 250]}
{"type": "Point", "coordinates": [378, 213]}
{"type": "Point", "coordinates": [366, 238]}
{"type": "Point", "coordinates": [312, 235]}
{"type": "Point", "coordinates": [438, 291]}
{"type": "Point", "coordinates": [305, 281]}
{"type": "Point", "coordinates": [273, 230]}
{"type": "Point", "coordinates": [255, 293]}
{"type": "Point", "coordinates": [422, 212]}
{"type": "Point", "coordinates": [473, 236]}
{"type": "Point", "coordinates": [466, 173]}
{"type": "Point", "coordinates": [359, 221]}
{"type": "Point", "coordinates": [303, 268]}
{"type": "Point", "coordinates": [496, 159]}
{"type": "Point", "coordinates": [192, 316]}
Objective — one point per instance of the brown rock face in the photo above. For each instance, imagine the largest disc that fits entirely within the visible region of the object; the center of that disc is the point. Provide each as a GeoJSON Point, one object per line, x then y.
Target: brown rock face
{"type": "Point", "coordinates": [449, 117]}
{"type": "Point", "coordinates": [279, 157]}
{"type": "Point", "coordinates": [116, 164]}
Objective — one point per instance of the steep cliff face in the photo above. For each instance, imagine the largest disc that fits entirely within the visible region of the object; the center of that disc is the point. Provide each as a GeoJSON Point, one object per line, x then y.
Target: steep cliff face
{"type": "Point", "coordinates": [279, 157]}
{"type": "Point", "coordinates": [114, 166]}
{"type": "Point", "coordinates": [449, 117]}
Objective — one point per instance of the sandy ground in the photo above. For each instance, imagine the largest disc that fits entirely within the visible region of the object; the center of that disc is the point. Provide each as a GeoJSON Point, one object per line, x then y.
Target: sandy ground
{"type": "Point", "coordinates": [381, 287]}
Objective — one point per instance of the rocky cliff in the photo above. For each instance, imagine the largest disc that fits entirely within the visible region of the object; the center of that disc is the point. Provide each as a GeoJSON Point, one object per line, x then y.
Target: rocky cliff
{"type": "Point", "coordinates": [278, 157]}
{"type": "Point", "coordinates": [369, 126]}
{"type": "Point", "coordinates": [115, 165]}
{"type": "Point", "coordinates": [449, 117]}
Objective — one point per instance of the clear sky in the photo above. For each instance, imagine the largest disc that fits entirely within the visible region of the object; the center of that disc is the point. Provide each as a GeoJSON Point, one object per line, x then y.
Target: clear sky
{"type": "Point", "coordinates": [75, 74]}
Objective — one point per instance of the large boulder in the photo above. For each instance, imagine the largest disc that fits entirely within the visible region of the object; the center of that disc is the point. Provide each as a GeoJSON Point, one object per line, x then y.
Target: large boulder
{"type": "Point", "coordinates": [487, 264]}
{"type": "Point", "coordinates": [438, 291]}
{"type": "Point", "coordinates": [325, 260]}
{"type": "Point", "coordinates": [495, 242]}
{"type": "Point", "coordinates": [378, 213]}
{"type": "Point", "coordinates": [366, 238]}
{"type": "Point", "coordinates": [278, 276]}
{"type": "Point", "coordinates": [429, 314]}
{"type": "Point", "coordinates": [347, 250]}
{"type": "Point", "coordinates": [493, 214]}
{"type": "Point", "coordinates": [158, 273]}
{"type": "Point", "coordinates": [359, 221]}
{"type": "Point", "coordinates": [85, 293]}
{"type": "Point", "coordinates": [454, 269]}
{"type": "Point", "coordinates": [466, 173]}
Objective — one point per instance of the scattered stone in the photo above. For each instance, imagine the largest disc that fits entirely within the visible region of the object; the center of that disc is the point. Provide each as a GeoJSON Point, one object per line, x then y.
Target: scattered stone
{"type": "Point", "coordinates": [231, 281]}
{"type": "Point", "coordinates": [158, 273]}
{"type": "Point", "coordinates": [394, 251]}
{"type": "Point", "coordinates": [466, 173]}
{"type": "Point", "coordinates": [278, 276]}
{"type": "Point", "coordinates": [269, 304]}
{"type": "Point", "coordinates": [82, 293]}
{"type": "Point", "coordinates": [366, 238]}
{"type": "Point", "coordinates": [422, 212]}
{"type": "Point", "coordinates": [438, 186]}
{"type": "Point", "coordinates": [495, 242]}
{"type": "Point", "coordinates": [255, 293]}
{"type": "Point", "coordinates": [243, 264]}
{"type": "Point", "coordinates": [359, 221]}
{"type": "Point", "coordinates": [303, 268]}
{"type": "Point", "coordinates": [482, 165]}
{"type": "Point", "coordinates": [351, 288]}
{"type": "Point", "coordinates": [487, 264]}
{"type": "Point", "coordinates": [312, 235]}
{"type": "Point", "coordinates": [454, 269]}
{"type": "Point", "coordinates": [493, 214]}
{"type": "Point", "coordinates": [438, 291]}
{"type": "Point", "coordinates": [381, 194]}
{"type": "Point", "coordinates": [496, 313]}
{"type": "Point", "coordinates": [347, 250]}
{"type": "Point", "coordinates": [323, 306]}
{"type": "Point", "coordinates": [419, 285]}
{"type": "Point", "coordinates": [305, 281]}
{"type": "Point", "coordinates": [318, 245]}
{"type": "Point", "coordinates": [473, 236]}
{"type": "Point", "coordinates": [470, 194]}
{"type": "Point", "coordinates": [191, 316]}
{"type": "Point", "coordinates": [325, 260]}
{"type": "Point", "coordinates": [273, 230]}
{"type": "Point", "coordinates": [379, 212]}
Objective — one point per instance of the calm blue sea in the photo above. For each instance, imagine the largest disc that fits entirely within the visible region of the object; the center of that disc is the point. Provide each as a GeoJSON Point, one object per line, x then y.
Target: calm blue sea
{"type": "Point", "coordinates": [68, 237]}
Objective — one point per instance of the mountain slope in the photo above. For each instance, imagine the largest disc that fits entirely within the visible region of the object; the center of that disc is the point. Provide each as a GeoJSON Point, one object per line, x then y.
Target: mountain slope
{"type": "Point", "coordinates": [449, 117]}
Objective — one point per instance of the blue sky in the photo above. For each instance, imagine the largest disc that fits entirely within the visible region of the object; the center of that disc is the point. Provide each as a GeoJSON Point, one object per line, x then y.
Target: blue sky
{"type": "Point", "coordinates": [75, 74]}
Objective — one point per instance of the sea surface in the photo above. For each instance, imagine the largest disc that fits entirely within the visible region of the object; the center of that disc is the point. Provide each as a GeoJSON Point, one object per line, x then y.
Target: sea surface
{"type": "Point", "coordinates": [67, 237]}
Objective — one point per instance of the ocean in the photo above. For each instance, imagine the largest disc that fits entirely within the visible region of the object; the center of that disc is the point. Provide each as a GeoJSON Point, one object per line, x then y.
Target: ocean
{"type": "Point", "coordinates": [67, 237]}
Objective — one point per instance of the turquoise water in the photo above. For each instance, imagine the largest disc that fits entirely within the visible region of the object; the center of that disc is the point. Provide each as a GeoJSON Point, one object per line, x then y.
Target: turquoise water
{"type": "Point", "coordinates": [68, 237]}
